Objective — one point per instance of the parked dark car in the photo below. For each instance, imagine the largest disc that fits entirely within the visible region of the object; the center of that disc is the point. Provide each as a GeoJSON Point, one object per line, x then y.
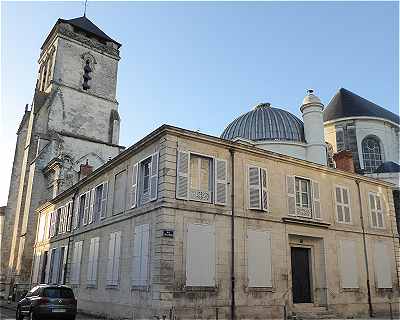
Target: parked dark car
{"type": "Point", "coordinates": [48, 302]}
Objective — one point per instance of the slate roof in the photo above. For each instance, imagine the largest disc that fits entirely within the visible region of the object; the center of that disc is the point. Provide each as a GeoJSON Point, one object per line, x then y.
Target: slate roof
{"type": "Point", "coordinates": [347, 104]}
{"type": "Point", "coordinates": [266, 123]}
{"type": "Point", "coordinates": [388, 166]}
{"type": "Point", "coordinates": [86, 25]}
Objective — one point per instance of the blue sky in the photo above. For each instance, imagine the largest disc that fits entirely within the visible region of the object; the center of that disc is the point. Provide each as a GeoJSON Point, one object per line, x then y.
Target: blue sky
{"type": "Point", "coordinates": [200, 65]}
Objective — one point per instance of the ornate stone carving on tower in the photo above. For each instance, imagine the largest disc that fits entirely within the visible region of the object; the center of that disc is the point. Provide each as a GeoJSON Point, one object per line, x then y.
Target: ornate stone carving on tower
{"type": "Point", "coordinates": [73, 120]}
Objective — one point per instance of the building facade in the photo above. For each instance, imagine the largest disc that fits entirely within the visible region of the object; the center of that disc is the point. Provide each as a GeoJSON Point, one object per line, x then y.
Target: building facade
{"type": "Point", "coordinates": [72, 120]}
{"type": "Point", "coordinates": [182, 222]}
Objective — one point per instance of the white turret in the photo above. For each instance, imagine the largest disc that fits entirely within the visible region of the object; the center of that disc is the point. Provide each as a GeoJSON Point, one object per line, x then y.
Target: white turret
{"type": "Point", "coordinates": [311, 110]}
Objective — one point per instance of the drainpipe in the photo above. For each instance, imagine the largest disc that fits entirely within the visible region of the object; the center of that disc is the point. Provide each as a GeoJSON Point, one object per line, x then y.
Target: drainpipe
{"type": "Point", "coordinates": [233, 306]}
{"type": "Point", "coordinates": [371, 313]}
{"type": "Point", "coordinates": [70, 237]}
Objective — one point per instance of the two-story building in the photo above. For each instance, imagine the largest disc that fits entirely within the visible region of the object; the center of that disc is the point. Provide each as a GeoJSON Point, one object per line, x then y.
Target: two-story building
{"type": "Point", "coordinates": [188, 225]}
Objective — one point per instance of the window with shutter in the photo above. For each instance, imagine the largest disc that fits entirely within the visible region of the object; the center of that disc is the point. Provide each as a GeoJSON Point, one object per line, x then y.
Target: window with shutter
{"type": "Point", "coordinates": [134, 185]}
{"type": "Point", "coordinates": [49, 266]}
{"type": "Point", "coordinates": [342, 204]}
{"type": "Point", "coordinates": [259, 260]}
{"type": "Point", "coordinates": [35, 271]}
{"type": "Point", "coordinates": [348, 264]}
{"type": "Point", "coordinates": [93, 261]}
{"type": "Point", "coordinates": [182, 176]}
{"type": "Point", "coordinates": [154, 177]}
{"type": "Point", "coordinates": [221, 189]}
{"type": "Point", "coordinates": [63, 262]}
{"type": "Point", "coordinates": [113, 259]}
{"type": "Point", "coordinates": [254, 183]}
{"type": "Point", "coordinates": [200, 255]}
{"type": "Point", "coordinates": [78, 211]}
{"type": "Point", "coordinates": [258, 188]}
{"type": "Point", "coordinates": [376, 211]}
{"type": "Point", "coordinates": [145, 169]}
{"type": "Point", "coordinates": [55, 265]}
{"type": "Point", "coordinates": [103, 205]}
{"type": "Point", "coordinates": [141, 253]}
{"type": "Point", "coordinates": [383, 265]}
{"type": "Point", "coordinates": [69, 216]}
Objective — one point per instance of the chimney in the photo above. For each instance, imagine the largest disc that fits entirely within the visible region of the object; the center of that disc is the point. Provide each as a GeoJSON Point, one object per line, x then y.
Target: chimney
{"type": "Point", "coordinates": [344, 161]}
{"type": "Point", "coordinates": [85, 170]}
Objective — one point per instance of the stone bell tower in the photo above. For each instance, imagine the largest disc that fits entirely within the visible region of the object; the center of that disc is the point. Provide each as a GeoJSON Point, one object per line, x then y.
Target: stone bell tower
{"type": "Point", "coordinates": [73, 120]}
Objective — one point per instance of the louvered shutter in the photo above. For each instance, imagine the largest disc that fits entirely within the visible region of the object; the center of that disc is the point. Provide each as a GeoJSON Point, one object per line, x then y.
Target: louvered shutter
{"type": "Point", "coordinates": [182, 175]}
{"type": "Point", "coordinates": [259, 269]}
{"type": "Point", "coordinates": [154, 177]}
{"type": "Point", "coordinates": [348, 264]}
{"type": "Point", "coordinates": [291, 193]}
{"type": "Point", "coordinates": [56, 221]}
{"type": "Point", "coordinates": [264, 186]}
{"type": "Point", "coordinates": [92, 203]}
{"type": "Point", "coordinates": [220, 191]}
{"type": "Point", "coordinates": [254, 184]}
{"type": "Point", "coordinates": [316, 201]}
{"type": "Point", "coordinates": [63, 264]}
{"type": "Point", "coordinates": [117, 254]}
{"type": "Point", "coordinates": [110, 262]}
{"type": "Point", "coordinates": [137, 248]}
{"type": "Point", "coordinates": [383, 265]}
{"type": "Point", "coordinates": [86, 208]}
{"type": "Point", "coordinates": [104, 195]}
{"type": "Point", "coordinates": [134, 185]}
{"type": "Point", "coordinates": [77, 213]}
{"type": "Point", "coordinates": [48, 267]}
{"type": "Point", "coordinates": [200, 255]}
{"type": "Point", "coordinates": [79, 246]}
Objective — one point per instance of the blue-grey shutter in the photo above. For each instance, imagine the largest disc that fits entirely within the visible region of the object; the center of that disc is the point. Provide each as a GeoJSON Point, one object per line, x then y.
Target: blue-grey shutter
{"type": "Point", "coordinates": [77, 213]}
{"type": "Point", "coordinates": [134, 188]}
{"type": "Point", "coordinates": [220, 182]}
{"type": "Point", "coordinates": [137, 248]}
{"type": "Point", "coordinates": [264, 189]}
{"type": "Point", "coordinates": [86, 208]}
{"type": "Point", "coordinates": [154, 177]}
{"type": "Point", "coordinates": [92, 205]}
{"type": "Point", "coordinates": [182, 175]}
{"type": "Point", "coordinates": [110, 262]}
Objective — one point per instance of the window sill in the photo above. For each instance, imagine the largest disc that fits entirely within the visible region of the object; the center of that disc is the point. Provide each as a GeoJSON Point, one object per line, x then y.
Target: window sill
{"type": "Point", "coordinates": [349, 289]}
{"type": "Point", "coordinates": [260, 289]}
{"type": "Point", "coordinates": [201, 288]}
{"type": "Point", "coordinates": [91, 286]}
{"type": "Point", "coordinates": [112, 286]}
{"type": "Point", "coordinates": [307, 221]}
{"type": "Point", "coordinates": [140, 288]}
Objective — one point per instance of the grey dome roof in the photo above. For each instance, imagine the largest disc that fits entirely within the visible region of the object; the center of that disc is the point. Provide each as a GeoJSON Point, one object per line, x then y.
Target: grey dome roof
{"type": "Point", "coordinates": [266, 123]}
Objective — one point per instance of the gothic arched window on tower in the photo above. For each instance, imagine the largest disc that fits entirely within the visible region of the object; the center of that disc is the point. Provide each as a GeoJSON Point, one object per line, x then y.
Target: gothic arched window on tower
{"type": "Point", "coordinates": [87, 70]}
{"type": "Point", "coordinates": [371, 151]}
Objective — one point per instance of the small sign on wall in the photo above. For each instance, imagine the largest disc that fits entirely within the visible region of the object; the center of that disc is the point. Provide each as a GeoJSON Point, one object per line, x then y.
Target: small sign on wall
{"type": "Point", "coordinates": [168, 233]}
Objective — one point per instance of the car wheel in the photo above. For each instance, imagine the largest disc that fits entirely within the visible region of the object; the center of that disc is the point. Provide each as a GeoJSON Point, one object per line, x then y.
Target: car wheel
{"type": "Point", "coordinates": [18, 314]}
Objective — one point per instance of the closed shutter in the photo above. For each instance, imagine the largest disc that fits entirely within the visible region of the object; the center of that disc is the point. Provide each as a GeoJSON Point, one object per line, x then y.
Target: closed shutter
{"type": "Point", "coordinates": [86, 208]}
{"type": "Point", "coordinates": [220, 191]}
{"type": "Point", "coordinates": [93, 261]}
{"type": "Point", "coordinates": [154, 177]}
{"type": "Point", "coordinates": [92, 203]}
{"type": "Point", "coordinates": [56, 221]}
{"type": "Point", "coordinates": [259, 269]}
{"type": "Point", "coordinates": [110, 262]}
{"type": "Point", "coordinates": [200, 255]}
{"type": "Point", "coordinates": [264, 189]}
{"type": "Point", "coordinates": [254, 188]}
{"type": "Point", "coordinates": [104, 195]}
{"type": "Point", "coordinates": [316, 201]}
{"type": "Point", "coordinates": [63, 263]}
{"type": "Point", "coordinates": [56, 266]}
{"type": "Point", "coordinates": [78, 261]}
{"type": "Point", "coordinates": [35, 271]}
{"type": "Point", "coordinates": [117, 255]}
{"type": "Point", "coordinates": [182, 175]}
{"type": "Point", "coordinates": [48, 267]}
{"type": "Point", "coordinates": [134, 186]}
{"type": "Point", "coordinates": [348, 264]}
{"type": "Point", "coordinates": [141, 255]}
{"type": "Point", "coordinates": [90, 262]}
{"type": "Point", "coordinates": [383, 265]}
{"type": "Point", "coordinates": [77, 213]}
{"type": "Point", "coordinates": [291, 194]}
{"type": "Point", "coordinates": [69, 216]}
